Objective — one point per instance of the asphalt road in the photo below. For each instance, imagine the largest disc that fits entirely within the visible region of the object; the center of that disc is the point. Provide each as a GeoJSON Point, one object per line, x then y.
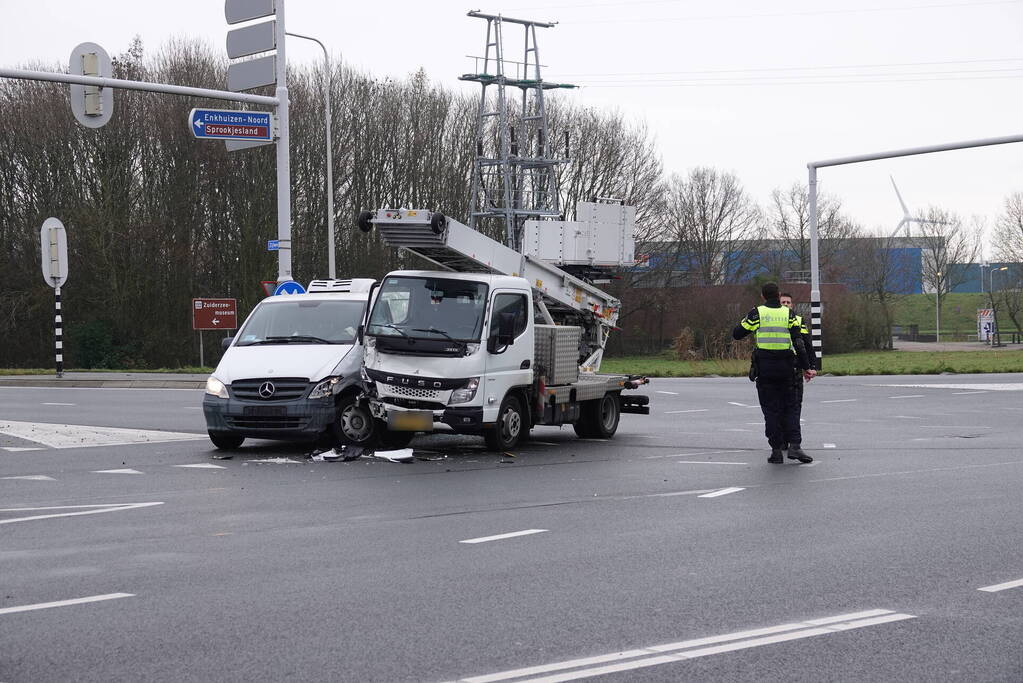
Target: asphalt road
{"type": "Point", "coordinates": [672, 552]}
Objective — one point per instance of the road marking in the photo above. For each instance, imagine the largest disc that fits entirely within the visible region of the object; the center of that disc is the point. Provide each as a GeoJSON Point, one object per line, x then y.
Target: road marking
{"type": "Point", "coordinates": [722, 492]}
{"type": "Point", "coordinates": [19, 449]}
{"type": "Point", "coordinates": [81, 436]}
{"type": "Point", "coordinates": [93, 510]}
{"type": "Point", "coordinates": [736, 429]}
{"type": "Point", "coordinates": [691, 649]}
{"type": "Point", "coordinates": [126, 470]}
{"type": "Point", "coordinates": [678, 412]}
{"type": "Point", "coordinates": [58, 404]}
{"type": "Point", "coordinates": [841, 400]}
{"type": "Point", "coordinates": [501, 537]}
{"type": "Point", "coordinates": [990, 386]}
{"type": "Point", "coordinates": [671, 393]}
{"type": "Point", "coordinates": [65, 603]}
{"type": "Point", "coordinates": [709, 462]}
{"type": "Point", "coordinates": [967, 393]}
{"type": "Point", "coordinates": [829, 445]}
{"type": "Point", "coordinates": [908, 396]}
{"type": "Point", "coordinates": [32, 477]}
{"type": "Point", "coordinates": [907, 417]}
{"type": "Point", "coordinates": [204, 466]}
{"type": "Point", "coordinates": [1002, 586]}
{"type": "Point", "coordinates": [689, 455]}
{"type": "Point", "coordinates": [741, 405]}
{"type": "Point", "coordinates": [193, 407]}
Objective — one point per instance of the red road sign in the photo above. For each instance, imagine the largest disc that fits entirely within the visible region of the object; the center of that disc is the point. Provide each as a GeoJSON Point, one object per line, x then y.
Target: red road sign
{"type": "Point", "coordinates": [214, 314]}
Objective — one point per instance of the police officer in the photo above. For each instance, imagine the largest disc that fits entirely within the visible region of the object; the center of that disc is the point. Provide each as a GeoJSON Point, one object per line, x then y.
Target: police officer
{"type": "Point", "coordinates": [786, 301]}
{"type": "Point", "coordinates": [777, 337]}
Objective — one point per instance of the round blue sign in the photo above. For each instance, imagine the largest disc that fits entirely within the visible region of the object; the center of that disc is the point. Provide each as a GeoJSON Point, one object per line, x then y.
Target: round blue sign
{"type": "Point", "coordinates": [289, 287]}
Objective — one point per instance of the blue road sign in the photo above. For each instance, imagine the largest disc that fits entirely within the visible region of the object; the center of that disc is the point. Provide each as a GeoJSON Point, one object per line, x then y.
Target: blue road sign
{"type": "Point", "coordinates": [224, 124]}
{"type": "Point", "coordinates": [273, 245]}
{"type": "Point", "coordinates": [289, 287]}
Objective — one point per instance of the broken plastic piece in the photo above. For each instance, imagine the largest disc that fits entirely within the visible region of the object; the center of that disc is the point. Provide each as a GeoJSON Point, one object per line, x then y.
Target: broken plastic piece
{"type": "Point", "coordinates": [400, 455]}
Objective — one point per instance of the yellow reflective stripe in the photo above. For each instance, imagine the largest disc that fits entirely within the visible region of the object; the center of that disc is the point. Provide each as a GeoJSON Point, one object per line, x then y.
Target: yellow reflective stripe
{"type": "Point", "coordinates": [747, 325]}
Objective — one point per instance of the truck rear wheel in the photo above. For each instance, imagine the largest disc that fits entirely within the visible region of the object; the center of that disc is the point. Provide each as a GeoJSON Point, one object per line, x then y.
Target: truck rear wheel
{"type": "Point", "coordinates": [599, 419]}
{"type": "Point", "coordinates": [510, 428]}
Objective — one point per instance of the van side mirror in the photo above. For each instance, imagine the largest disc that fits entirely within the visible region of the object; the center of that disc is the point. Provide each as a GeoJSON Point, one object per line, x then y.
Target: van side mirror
{"type": "Point", "coordinates": [225, 343]}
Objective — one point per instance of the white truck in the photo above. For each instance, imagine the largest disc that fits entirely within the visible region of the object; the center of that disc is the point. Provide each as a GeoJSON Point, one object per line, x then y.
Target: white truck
{"type": "Point", "coordinates": [497, 342]}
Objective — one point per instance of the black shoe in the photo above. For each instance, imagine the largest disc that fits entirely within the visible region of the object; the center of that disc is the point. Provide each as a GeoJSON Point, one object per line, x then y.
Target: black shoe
{"type": "Point", "coordinates": [775, 458]}
{"type": "Point", "coordinates": [797, 453]}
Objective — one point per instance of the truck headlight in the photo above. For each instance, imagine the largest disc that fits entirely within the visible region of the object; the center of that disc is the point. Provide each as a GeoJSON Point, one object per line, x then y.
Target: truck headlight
{"type": "Point", "coordinates": [215, 387]}
{"type": "Point", "coordinates": [466, 393]}
{"type": "Point", "coordinates": [325, 388]}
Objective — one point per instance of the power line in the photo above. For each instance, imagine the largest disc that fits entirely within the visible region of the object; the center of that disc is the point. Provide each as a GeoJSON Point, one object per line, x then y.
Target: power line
{"type": "Point", "coordinates": [806, 13]}
{"type": "Point", "coordinates": [807, 76]}
{"type": "Point", "coordinates": [797, 68]}
{"type": "Point", "coordinates": [738, 83]}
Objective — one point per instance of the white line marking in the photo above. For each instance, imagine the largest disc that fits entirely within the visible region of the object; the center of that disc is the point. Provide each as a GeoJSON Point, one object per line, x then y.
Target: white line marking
{"type": "Point", "coordinates": [829, 445]}
{"type": "Point", "coordinates": [65, 603]}
{"type": "Point", "coordinates": [736, 429]}
{"type": "Point", "coordinates": [95, 510]}
{"type": "Point", "coordinates": [126, 470]}
{"type": "Point", "coordinates": [1002, 586]}
{"type": "Point", "coordinates": [691, 649]}
{"type": "Point", "coordinates": [81, 436]}
{"type": "Point", "coordinates": [908, 396]}
{"type": "Point", "coordinates": [17, 449]}
{"type": "Point", "coordinates": [672, 393]}
{"type": "Point", "coordinates": [741, 405]}
{"type": "Point", "coordinates": [500, 537]}
{"type": "Point", "coordinates": [688, 455]}
{"type": "Point", "coordinates": [204, 466]}
{"type": "Point", "coordinates": [841, 400]}
{"type": "Point", "coordinates": [32, 477]}
{"type": "Point", "coordinates": [58, 404]}
{"type": "Point", "coordinates": [722, 492]}
{"type": "Point", "coordinates": [678, 412]}
{"type": "Point", "coordinates": [967, 393]}
{"type": "Point", "coordinates": [709, 462]}
{"type": "Point", "coordinates": [193, 407]}
{"type": "Point", "coordinates": [990, 386]}
{"type": "Point", "coordinates": [907, 417]}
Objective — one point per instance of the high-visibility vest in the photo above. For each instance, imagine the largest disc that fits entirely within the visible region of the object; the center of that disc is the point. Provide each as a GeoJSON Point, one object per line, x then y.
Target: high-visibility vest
{"type": "Point", "coordinates": [773, 332]}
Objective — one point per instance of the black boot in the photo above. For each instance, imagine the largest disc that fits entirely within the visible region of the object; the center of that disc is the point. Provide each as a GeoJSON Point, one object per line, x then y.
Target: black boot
{"type": "Point", "coordinates": [797, 453]}
{"type": "Point", "coordinates": [775, 458]}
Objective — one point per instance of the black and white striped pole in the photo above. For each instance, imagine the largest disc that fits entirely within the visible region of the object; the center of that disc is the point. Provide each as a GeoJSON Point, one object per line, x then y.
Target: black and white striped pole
{"type": "Point", "coordinates": [53, 248]}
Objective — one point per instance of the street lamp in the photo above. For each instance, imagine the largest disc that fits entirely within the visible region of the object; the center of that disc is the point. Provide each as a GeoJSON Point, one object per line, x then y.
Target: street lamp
{"type": "Point", "coordinates": [995, 341]}
{"type": "Point", "coordinates": [331, 267]}
{"type": "Point", "coordinates": [937, 308]}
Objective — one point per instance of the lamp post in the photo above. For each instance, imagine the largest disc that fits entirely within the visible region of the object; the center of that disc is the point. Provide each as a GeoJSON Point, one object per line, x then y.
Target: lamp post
{"type": "Point", "coordinates": [995, 340]}
{"type": "Point", "coordinates": [937, 308]}
{"type": "Point", "coordinates": [331, 266]}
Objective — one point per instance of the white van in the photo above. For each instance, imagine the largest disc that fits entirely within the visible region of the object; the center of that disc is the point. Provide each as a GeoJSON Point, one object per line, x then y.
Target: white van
{"type": "Point", "coordinates": [293, 370]}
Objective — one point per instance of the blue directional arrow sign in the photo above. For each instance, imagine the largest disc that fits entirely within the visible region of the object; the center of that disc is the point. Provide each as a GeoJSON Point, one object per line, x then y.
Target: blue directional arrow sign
{"type": "Point", "coordinates": [273, 245]}
{"type": "Point", "coordinates": [289, 287]}
{"type": "Point", "coordinates": [225, 124]}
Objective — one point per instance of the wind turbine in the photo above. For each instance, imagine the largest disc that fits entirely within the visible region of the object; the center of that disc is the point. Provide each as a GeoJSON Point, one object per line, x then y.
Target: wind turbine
{"type": "Point", "coordinates": [906, 217]}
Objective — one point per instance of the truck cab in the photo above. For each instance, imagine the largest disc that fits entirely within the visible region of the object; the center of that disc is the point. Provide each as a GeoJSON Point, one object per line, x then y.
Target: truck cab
{"type": "Point", "coordinates": [451, 348]}
{"type": "Point", "coordinates": [292, 372]}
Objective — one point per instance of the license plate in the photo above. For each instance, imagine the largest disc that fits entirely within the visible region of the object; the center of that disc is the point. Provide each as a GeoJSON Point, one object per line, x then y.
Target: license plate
{"type": "Point", "coordinates": [266, 411]}
{"type": "Point", "coordinates": [410, 421]}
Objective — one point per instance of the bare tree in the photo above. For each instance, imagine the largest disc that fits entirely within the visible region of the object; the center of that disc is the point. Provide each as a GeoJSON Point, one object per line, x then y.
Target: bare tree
{"type": "Point", "coordinates": [877, 271]}
{"type": "Point", "coordinates": [1007, 238]}
{"type": "Point", "coordinates": [949, 247]}
{"type": "Point", "coordinates": [715, 227]}
{"type": "Point", "coordinates": [789, 222]}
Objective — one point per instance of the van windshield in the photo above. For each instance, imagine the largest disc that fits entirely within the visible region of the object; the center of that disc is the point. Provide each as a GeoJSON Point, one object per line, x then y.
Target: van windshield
{"type": "Point", "coordinates": [294, 321]}
{"type": "Point", "coordinates": [429, 308]}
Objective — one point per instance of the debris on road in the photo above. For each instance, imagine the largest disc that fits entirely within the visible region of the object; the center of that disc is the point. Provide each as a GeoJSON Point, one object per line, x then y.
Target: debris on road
{"type": "Point", "coordinates": [400, 455]}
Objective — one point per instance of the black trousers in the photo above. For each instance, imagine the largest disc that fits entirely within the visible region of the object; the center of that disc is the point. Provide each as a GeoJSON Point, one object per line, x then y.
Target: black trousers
{"type": "Point", "coordinates": [781, 401]}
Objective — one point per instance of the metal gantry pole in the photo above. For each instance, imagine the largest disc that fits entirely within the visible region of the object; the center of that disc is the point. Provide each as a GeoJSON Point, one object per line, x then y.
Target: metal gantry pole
{"type": "Point", "coordinates": [58, 331]}
{"type": "Point", "coordinates": [815, 277]}
{"type": "Point", "coordinates": [283, 154]}
{"type": "Point", "coordinates": [331, 262]}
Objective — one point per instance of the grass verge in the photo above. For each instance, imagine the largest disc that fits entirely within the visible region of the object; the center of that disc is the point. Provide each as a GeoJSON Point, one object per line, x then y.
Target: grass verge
{"type": "Point", "coordinates": [189, 370]}
{"type": "Point", "coordinates": [859, 363]}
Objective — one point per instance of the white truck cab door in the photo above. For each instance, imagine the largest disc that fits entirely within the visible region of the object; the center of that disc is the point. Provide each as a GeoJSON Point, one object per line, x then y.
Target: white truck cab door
{"type": "Point", "coordinates": [509, 358]}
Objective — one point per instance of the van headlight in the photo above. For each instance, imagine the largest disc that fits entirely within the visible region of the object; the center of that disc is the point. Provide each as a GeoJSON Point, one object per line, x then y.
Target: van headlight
{"type": "Point", "coordinates": [466, 393]}
{"type": "Point", "coordinates": [325, 388]}
{"type": "Point", "coordinates": [215, 387]}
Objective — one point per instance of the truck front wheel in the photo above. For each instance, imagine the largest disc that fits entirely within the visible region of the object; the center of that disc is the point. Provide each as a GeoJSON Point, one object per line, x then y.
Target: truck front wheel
{"type": "Point", "coordinates": [599, 419]}
{"type": "Point", "coordinates": [510, 427]}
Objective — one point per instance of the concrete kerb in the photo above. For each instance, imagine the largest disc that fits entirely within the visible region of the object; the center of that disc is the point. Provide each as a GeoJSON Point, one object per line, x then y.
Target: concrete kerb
{"type": "Point", "coordinates": [108, 380]}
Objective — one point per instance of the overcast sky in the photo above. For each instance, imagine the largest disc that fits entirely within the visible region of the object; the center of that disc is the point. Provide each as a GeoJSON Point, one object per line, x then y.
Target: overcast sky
{"type": "Point", "coordinates": [750, 86]}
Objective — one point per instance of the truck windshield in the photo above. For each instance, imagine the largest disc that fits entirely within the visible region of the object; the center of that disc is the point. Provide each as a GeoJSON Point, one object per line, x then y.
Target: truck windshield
{"type": "Point", "coordinates": [294, 321]}
{"type": "Point", "coordinates": [430, 308]}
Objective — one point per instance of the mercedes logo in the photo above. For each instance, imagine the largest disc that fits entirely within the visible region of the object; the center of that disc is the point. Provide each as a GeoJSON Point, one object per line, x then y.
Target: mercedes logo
{"type": "Point", "coordinates": [267, 389]}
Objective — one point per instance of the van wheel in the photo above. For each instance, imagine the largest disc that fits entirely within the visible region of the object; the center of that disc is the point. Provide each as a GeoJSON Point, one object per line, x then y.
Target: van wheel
{"type": "Point", "coordinates": [394, 440]}
{"type": "Point", "coordinates": [226, 442]}
{"type": "Point", "coordinates": [511, 426]}
{"type": "Point", "coordinates": [599, 419]}
{"type": "Point", "coordinates": [354, 424]}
